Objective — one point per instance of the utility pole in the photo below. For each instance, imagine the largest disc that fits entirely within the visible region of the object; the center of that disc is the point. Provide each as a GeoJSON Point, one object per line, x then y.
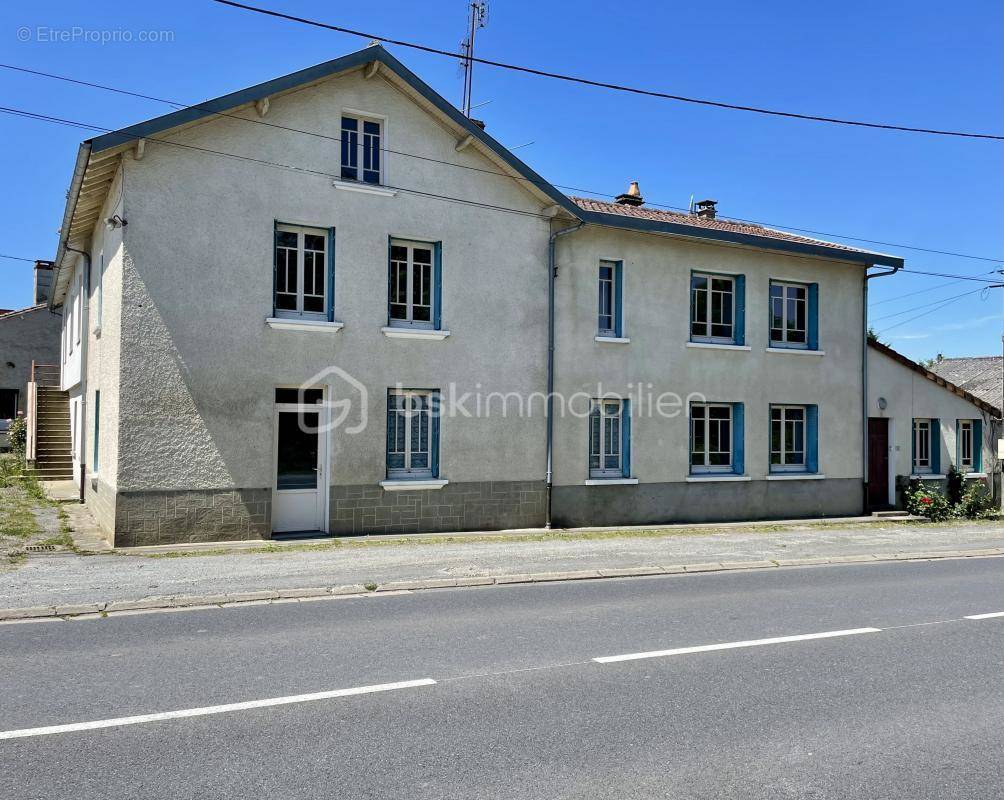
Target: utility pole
{"type": "Point", "coordinates": [477, 17]}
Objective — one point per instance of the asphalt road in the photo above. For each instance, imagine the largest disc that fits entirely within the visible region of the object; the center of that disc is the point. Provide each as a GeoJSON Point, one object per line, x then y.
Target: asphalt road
{"type": "Point", "coordinates": [909, 704]}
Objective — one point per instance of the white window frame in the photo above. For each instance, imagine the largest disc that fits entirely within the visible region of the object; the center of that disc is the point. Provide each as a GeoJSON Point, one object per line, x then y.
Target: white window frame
{"type": "Point", "coordinates": [302, 232]}
{"type": "Point", "coordinates": [408, 416]}
{"type": "Point", "coordinates": [783, 342]}
{"type": "Point", "coordinates": [613, 310]}
{"type": "Point", "coordinates": [922, 427]}
{"type": "Point", "coordinates": [610, 412]}
{"type": "Point", "coordinates": [362, 117]}
{"type": "Point", "coordinates": [708, 322]}
{"type": "Point", "coordinates": [966, 436]}
{"type": "Point", "coordinates": [99, 294]}
{"type": "Point", "coordinates": [410, 321]}
{"type": "Point", "coordinates": [784, 465]}
{"type": "Point", "coordinates": [705, 421]}
{"type": "Point", "coordinates": [79, 303]}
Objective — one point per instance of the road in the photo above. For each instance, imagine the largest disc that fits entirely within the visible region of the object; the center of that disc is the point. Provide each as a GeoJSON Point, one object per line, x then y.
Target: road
{"type": "Point", "coordinates": [506, 700]}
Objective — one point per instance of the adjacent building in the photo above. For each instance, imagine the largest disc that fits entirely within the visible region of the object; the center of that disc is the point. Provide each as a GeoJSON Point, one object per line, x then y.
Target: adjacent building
{"type": "Point", "coordinates": [331, 302]}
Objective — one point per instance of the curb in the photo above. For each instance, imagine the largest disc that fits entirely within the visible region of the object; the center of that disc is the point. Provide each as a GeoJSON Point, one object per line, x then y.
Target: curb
{"type": "Point", "coordinates": [355, 590]}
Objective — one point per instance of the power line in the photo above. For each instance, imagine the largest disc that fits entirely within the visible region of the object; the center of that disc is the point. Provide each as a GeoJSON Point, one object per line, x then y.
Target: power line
{"type": "Point", "coordinates": [307, 171]}
{"type": "Point", "coordinates": [926, 305]}
{"type": "Point", "coordinates": [18, 258]}
{"type": "Point", "coordinates": [603, 84]}
{"type": "Point", "coordinates": [947, 275]}
{"type": "Point", "coordinates": [925, 313]}
{"type": "Point", "coordinates": [539, 183]}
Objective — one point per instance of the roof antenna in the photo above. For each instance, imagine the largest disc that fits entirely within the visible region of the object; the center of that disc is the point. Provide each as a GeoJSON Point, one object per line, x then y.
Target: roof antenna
{"type": "Point", "coordinates": [477, 17]}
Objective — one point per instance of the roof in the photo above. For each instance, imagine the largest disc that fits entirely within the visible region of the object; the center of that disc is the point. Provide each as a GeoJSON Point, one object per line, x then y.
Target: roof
{"type": "Point", "coordinates": [726, 230]}
{"type": "Point", "coordinates": [21, 311]}
{"type": "Point", "coordinates": [98, 160]}
{"type": "Point", "coordinates": [980, 375]}
{"type": "Point", "coordinates": [979, 402]}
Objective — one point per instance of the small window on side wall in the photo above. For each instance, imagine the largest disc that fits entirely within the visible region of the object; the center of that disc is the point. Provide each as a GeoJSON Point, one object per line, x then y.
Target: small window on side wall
{"type": "Point", "coordinates": [611, 289]}
{"type": "Point", "coordinates": [362, 157]}
{"type": "Point", "coordinates": [303, 272]}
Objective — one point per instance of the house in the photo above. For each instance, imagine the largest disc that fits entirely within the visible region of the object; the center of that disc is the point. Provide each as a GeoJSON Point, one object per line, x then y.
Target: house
{"type": "Point", "coordinates": [331, 302]}
{"type": "Point", "coordinates": [27, 336]}
{"type": "Point", "coordinates": [919, 424]}
{"type": "Point", "coordinates": [982, 376]}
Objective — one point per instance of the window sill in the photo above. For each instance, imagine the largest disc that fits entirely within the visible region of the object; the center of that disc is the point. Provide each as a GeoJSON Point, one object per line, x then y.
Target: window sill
{"type": "Point", "coordinates": [414, 333]}
{"type": "Point", "coordinates": [974, 475]}
{"type": "Point", "coordinates": [612, 339]}
{"type": "Point", "coordinates": [794, 476]}
{"type": "Point", "coordinates": [610, 482]}
{"type": "Point", "coordinates": [364, 188]}
{"type": "Point", "coordinates": [927, 476]}
{"type": "Point", "coordinates": [713, 346]}
{"type": "Point", "coordinates": [411, 485]}
{"type": "Point", "coordinates": [794, 351]}
{"type": "Point", "coordinates": [713, 477]}
{"type": "Point", "coordinates": [290, 324]}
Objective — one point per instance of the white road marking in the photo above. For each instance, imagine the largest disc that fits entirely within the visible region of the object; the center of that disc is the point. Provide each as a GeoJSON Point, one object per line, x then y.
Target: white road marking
{"type": "Point", "coordinates": [986, 616]}
{"type": "Point", "coordinates": [206, 710]}
{"type": "Point", "coordinates": [707, 648]}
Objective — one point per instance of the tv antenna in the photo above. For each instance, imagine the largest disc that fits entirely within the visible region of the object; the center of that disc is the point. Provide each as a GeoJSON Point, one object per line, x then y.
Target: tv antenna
{"type": "Point", "coordinates": [477, 17]}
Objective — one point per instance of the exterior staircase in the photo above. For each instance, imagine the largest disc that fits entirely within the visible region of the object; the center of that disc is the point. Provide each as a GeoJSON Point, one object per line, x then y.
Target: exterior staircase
{"type": "Point", "coordinates": [50, 423]}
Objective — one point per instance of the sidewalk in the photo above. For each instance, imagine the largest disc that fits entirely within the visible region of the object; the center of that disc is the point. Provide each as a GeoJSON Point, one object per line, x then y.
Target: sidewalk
{"type": "Point", "coordinates": [66, 583]}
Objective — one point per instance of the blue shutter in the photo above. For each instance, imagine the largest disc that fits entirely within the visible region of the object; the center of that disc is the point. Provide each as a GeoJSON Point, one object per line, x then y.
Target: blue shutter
{"type": "Point", "coordinates": [740, 305]}
{"type": "Point", "coordinates": [626, 437]}
{"type": "Point", "coordinates": [813, 316]}
{"type": "Point", "coordinates": [331, 274]}
{"type": "Point", "coordinates": [936, 446]}
{"type": "Point", "coordinates": [812, 438]}
{"type": "Point", "coordinates": [977, 445]}
{"type": "Point", "coordinates": [437, 286]}
{"type": "Point", "coordinates": [436, 412]}
{"type": "Point", "coordinates": [738, 439]}
{"type": "Point", "coordinates": [618, 308]}
{"type": "Point", "coordinates": [958, 443]}
{"type": "Point", "coordinates": [913, 446]}
{"type": "Point", "coordinates": [275, 265]}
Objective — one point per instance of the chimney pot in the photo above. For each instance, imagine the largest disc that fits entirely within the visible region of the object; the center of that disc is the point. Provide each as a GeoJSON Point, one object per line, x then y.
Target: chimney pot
{"type": "Point", "coordinates": [706, 209]}
{"type": "Point", "coordinates": [632, 197]}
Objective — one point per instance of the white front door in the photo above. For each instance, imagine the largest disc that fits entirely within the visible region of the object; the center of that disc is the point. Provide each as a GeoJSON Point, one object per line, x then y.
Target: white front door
{"type": "Point", "coordinates": [298, 496]}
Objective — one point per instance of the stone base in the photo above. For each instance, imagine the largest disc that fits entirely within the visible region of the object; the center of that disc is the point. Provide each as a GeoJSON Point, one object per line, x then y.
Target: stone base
{"type": "Point", "coordinates": [481, 506]}
{"type": "Point", "coordinates": [714, 501]}
{"type": "Point", "coordinates": [194, 515]}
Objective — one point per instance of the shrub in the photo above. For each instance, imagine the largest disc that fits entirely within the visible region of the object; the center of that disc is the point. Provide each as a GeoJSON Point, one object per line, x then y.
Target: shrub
{"type": "Point", "coordinates": [977, 502]}
{"type": "Point", "coordinates": [924, 502]}
{"type": "Point", "coordinates": [956, 486]}
{"type": "Point", "coordinates": [18, 436]}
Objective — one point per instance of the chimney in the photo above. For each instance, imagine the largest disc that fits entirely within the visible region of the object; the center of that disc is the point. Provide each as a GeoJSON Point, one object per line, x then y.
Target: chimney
{"type": "Point", "coordinates": [632, 197]}
{"type": "Point", "coordinates": [43, 281]}
{"type": "Point", "coordinates": [706, 209]}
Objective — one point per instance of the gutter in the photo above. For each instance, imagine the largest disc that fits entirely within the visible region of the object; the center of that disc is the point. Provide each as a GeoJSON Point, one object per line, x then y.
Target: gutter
{"type": "Point", "coordinates": [72, 195]}
{"type": "Point", "coordinates": [864, 375]}
{"type": "Point", "coordinates": [552, 274]}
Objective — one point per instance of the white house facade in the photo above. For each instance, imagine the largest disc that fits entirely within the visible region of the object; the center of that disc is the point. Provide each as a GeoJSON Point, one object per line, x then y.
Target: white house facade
{"type": "Point", "coordinates": [332, 303]}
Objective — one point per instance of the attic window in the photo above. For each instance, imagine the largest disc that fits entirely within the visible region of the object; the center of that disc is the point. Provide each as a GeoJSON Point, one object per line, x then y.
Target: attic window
{"type": "Point", "coordinates": [361, 153]}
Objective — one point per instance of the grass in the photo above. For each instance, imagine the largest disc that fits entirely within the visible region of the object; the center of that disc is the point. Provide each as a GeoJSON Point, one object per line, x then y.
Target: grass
{"type": "Point", "coordinates": [553, 536]}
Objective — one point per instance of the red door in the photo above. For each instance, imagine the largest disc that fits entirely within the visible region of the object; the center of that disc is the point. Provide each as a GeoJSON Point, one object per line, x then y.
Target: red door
{"type": "Point", "coordinates": [878, 463]}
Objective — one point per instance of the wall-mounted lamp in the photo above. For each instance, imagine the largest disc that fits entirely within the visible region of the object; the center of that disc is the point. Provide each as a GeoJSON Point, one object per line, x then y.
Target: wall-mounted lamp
{"type": "Point", "coordinates": [115, 222]}
{"type": "Point", "coordinates": [882, 404]}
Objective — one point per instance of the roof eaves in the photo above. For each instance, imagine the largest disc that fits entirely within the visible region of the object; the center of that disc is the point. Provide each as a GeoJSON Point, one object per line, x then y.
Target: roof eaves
{"type": "Point", "coordinates": [822, 249]}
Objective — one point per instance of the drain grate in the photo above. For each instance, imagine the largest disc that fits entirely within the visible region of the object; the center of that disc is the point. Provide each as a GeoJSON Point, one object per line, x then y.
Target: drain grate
{"type": "Point", "coordinates": [40, 548]}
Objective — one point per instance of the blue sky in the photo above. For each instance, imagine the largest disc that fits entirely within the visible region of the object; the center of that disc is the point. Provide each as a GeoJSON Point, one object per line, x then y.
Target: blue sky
{"type": "Point", "coordinates": [910, 63]}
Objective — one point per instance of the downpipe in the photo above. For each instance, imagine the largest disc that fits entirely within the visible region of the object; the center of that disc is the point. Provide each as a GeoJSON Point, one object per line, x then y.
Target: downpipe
{"type": "Point", "coordinates": [552, 274]}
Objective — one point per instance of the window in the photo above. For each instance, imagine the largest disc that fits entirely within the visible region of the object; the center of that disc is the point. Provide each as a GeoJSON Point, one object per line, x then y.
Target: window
{"type": "Point", "coordinates": [8, 403]}
{"type": "Point", "coordinates": [710, 437]}
{"type": "Point", "coordinates": [926, 446]}
{"type": "Point", "coordinates": [716, 308]}
{"type": "Point", "coordinates": [969, 445]}
{"type": "Point", "coordinates": [78, 302]}
{"type": "Point", "coordinates": [793, 315]}
{"type": "Point", "coordinates": [361, 149]}
{"type": "Point", "coordinates": [793, 439]}
{"type": "Point", "coordinates": [610, 291]}
{"type": "Point", "coordinates": [412, 433]}
{"type": "Point", "coordinates": [303, 267]}
{"type": "Point", "coordinates": [414, 290]}
{"type": "Point", "coordinates": [95, 462]}
{"type": "Point", "coordinates": [609, 438]}
{"type": "Point", "coordinates": [99, 292]}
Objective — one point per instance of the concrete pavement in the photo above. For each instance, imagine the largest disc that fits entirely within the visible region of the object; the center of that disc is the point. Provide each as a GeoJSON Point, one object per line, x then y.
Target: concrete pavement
{"type": "Point", "coordinates": [519, 707]}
